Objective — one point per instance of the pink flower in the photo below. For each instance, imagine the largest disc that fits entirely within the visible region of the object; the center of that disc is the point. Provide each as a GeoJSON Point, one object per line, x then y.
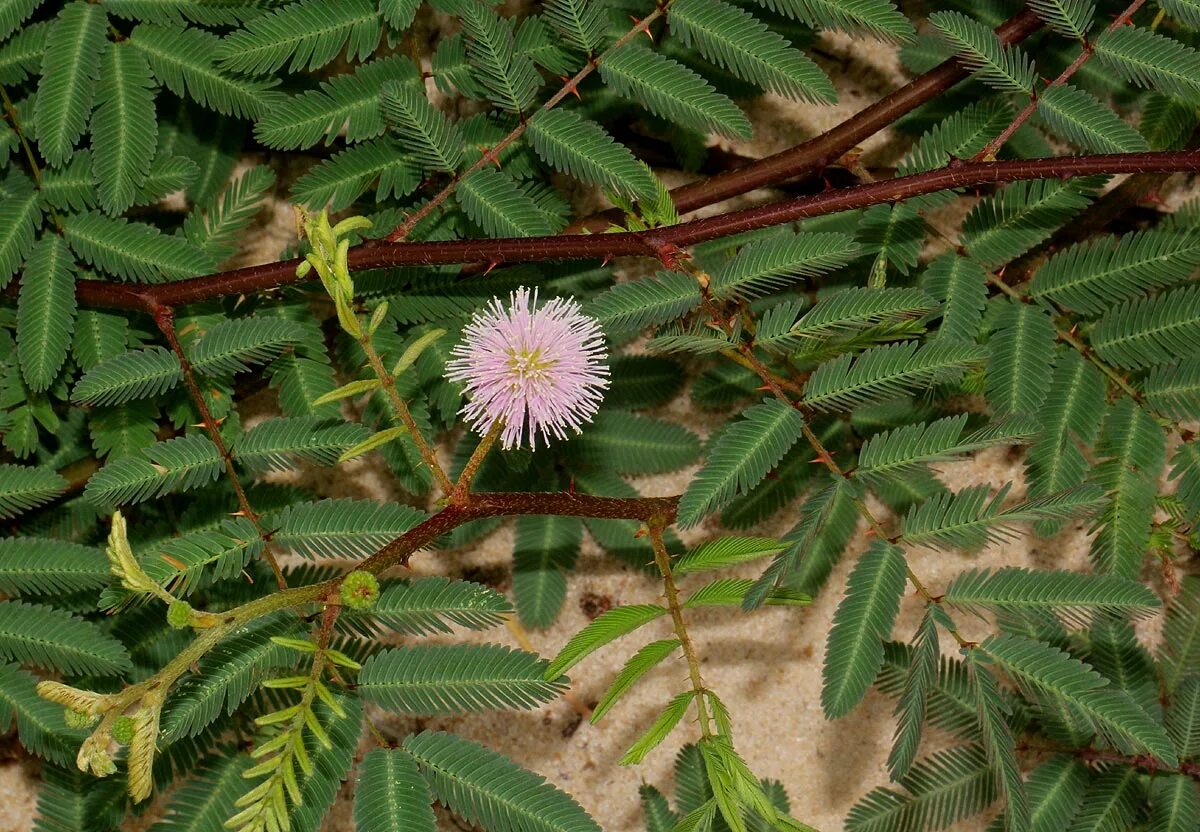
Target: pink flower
{"type": "Point", "coordinates": [534, 371]}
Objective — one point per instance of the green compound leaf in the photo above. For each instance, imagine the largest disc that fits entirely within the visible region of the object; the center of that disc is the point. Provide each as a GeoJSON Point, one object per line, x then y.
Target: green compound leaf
{"type": "Point", "coordinates": [124, 127]}
{"type": "Point", "coordinates": [671, 90]}
{"type": "Point", "coordinates": [45, 312]}
{"type": "Point", "coordinates": [54, 639]}
{"type": "Point", "coordinates": [391, 795]}
{"type": "Point", "coordinates": [741, 455]}
{"type": "Point", "coordinates": [734, 39]}
{"type": "Point", "coordinates": [579, 147]}
{"type": "Point", "coordinates": [490, 790]}
{"type": "Point", "coordinates": [639, 664]}
{"type": "Point", "coordinates": [863, 621]}
{"type": "Point", "coordinates": [607, 627]}
{"type": "Point", "coordinates": [1079, 117]}
{"type": "Point", "coordinates": [446, 679]}
{"type": "Point", "coordinates": [68, 83]}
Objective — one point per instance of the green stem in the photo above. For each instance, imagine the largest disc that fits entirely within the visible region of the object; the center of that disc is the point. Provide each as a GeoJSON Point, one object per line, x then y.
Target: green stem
{"type": "Point", "coordinates": [463, 486]}
{"type": "Point", "coordinates": [663, 561]}
{"type": "Point", "coordinates": [388, 381]}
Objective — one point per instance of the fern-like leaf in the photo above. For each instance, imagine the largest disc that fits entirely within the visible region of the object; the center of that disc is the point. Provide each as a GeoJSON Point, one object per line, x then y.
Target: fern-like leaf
{"type": "Point", "coordinates": [1003, 67]}
{"type": "Point", "coordinates": [179, 464]}
{"type": "Point", "coordinates": [341, 528]}
{"type": "Point", "coordinates": [734, 39]}
{"type": "Point", "coordinates": [671, 90]}
{"type": "Point", "coordinates": [1080, 118]}
{"type": "Point", "coordinates": [1130, 445]}
{"type": "Point", "coordinates": [628, 443]}
{"type": "Point", "coordinates": [1073, 596]}
{"type": "Point", "coordinates": [607, 627]}
{"type": "Point", "coordinates": [1150, 60]}
{"type": "Point", "coordinates": [766, 266]}
{"type": "Point", "coordinates": [497, 204]}
{"type": "Point", "coordinates": [886, 372]}
{"type": "Point", "coordinates": [490, 790]}
{"type": "Point", "coordinates": [739, 458]}
{"type": "Point", "coordinates": [879, 18]}
{"type": "Point", "coordinates": [68, 83]}
{"type": "Point", "coordinates": [19, 215]}
{"type": "Point", "coordinates": [633, 306]}
{"type": "Point", "coordinates": [42, 566]}
{"type": "Point", "coordinates": [344, 177]}
{"type": "Point", "coordinates": [426, 606]}
{"type": "Point", "coordinates": [863, 621]}
{"type": "Point", "coordinates": [544, 550]}
{"type": "Point", "coordinates": [50, 638]}
{"type": "Point", "coordinates": [309, 33]}
{"type": "Point", "coordinates": [233, 345]}
{"type": "Point", "coordinates": [45, 312]}
{"type": "Point", "coordinates": [23, 487]}
{"type": "Point", "coordinates": [1090, 277]}
{"type": "Point", "coordinates": [638, 665]}
{"type": "Point", "coordinates": [509, 77]}
{"type": "Point", "coordinates": [136, 374]}
{"type": "Point", "coordinates": [1151, 330]}
{"type": "Point", "coordinates": [432, 138]}
{"type": "Point", "coordinates": [350, 100]}
{"type": "Point", "coordinates": [1020, 359]}
{"type": "Point", "coordinates": [133, 250]}
{"type": "Point", "coordinates": [1112, 712]}
{"type": "Point", "coordinates": [943, 789]}
{"type": "Point", "coordinates": [183, 59]}
{"type": "Point", "coordinates": [455, 678]}
{"type": "Point", "coordinates": [583, 149]}
{"type": "Point", "coordinates": [124, 127]}
{"type": "Point", "coordinates": [391, 795]}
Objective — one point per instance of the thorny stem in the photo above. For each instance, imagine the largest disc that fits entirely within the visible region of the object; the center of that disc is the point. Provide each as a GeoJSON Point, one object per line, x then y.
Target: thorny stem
{"type": "Point", "coordinates": [492, 154]}
{"type": "Point", "coordinates": [652, 243]}
{"type": "Point", "coordinates": [463, 486]}
{"type": "Point", "coordinates": [165, 319]}
{"type": "Point", "coordinates": [662, 559]}
{"type": "Point", "coordinates": [1088, 49]}
{"type": "Point", "coordinates": [825, 149]}
{"type": "Point", "coordinates": [1145, 761]}
{"type": "Point", "coordinates": [405, 416]}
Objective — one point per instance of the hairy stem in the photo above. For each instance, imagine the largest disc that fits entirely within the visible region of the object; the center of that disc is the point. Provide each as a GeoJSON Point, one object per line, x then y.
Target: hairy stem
{"type": "Point", "coordinates": [400, 407]}
{"type": "Point", "coordinates": [463, 486]}
{"type": "Point", "coordinates": [165, 319]}
{"type": "Point", "coordinates": [662, 560]}
{"type": "Point", "coordinates": [653, 243]}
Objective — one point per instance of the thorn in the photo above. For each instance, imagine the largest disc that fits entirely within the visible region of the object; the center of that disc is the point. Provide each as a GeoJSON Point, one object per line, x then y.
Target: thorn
{"type": "Point", "coordinates": [573, 90]}
{"type": "Point", "coordinates": [607, 259]}
{"type": "Point", "coordinates": [641, 532]}
{"type": "Point", "coordinates": [238, 513]}
{"type": "Point", "coordinates": [491, 265]}
{"type": "Point", "coordinates": [1000, 272]}
{"type": "Point", "coordinates": [637, 21]}
{"type": "Point", "coordinates": [766, 388]}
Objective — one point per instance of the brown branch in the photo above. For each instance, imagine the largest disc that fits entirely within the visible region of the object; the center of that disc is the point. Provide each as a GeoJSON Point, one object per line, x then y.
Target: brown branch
{"type": "Point", "coordinates": [993, 147]}
{"type": "Point", "coordinates": [660, 243]}
{"type": "Point", "coordinates": [825, 149]}
{"type": "Point", "coordinates": [509, 504]}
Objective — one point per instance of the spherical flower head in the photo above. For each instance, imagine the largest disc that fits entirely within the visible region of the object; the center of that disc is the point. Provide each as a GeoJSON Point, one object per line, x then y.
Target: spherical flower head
{"type": "Point", "coordinates": [536, 371]}
{"type": "Point", "coordinates": [360, 590]}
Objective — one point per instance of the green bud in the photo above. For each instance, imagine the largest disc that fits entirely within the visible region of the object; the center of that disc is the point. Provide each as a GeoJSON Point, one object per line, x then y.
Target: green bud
{"type": "Point", "coordinates": [122, 730]}
{"type": "Point", "coordinates": [179, 615]}
{"type": "Point", "coordinates": [360, 590]}
{"type": "Point", "coordinates": [77, 719]}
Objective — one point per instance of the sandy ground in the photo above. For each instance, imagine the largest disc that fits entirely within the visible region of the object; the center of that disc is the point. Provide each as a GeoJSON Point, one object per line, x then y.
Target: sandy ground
{"type": "Point", "coordinates": [766, 666]}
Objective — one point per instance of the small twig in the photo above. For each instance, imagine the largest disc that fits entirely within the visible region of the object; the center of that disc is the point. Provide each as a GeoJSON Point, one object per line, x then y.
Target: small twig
{"type": "Point", "coordinates": [1088, 49]}
{"type": "Point", "coordinates": [405, 416]}
{"type": "Point", "coordinates": [463, 486]}
{"type": "Point", "coordinates": [165, 319]}
{"type": "Point", "coordinates": [662, 560]}
{"type": "Point", "coordinates": [492, 154]}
